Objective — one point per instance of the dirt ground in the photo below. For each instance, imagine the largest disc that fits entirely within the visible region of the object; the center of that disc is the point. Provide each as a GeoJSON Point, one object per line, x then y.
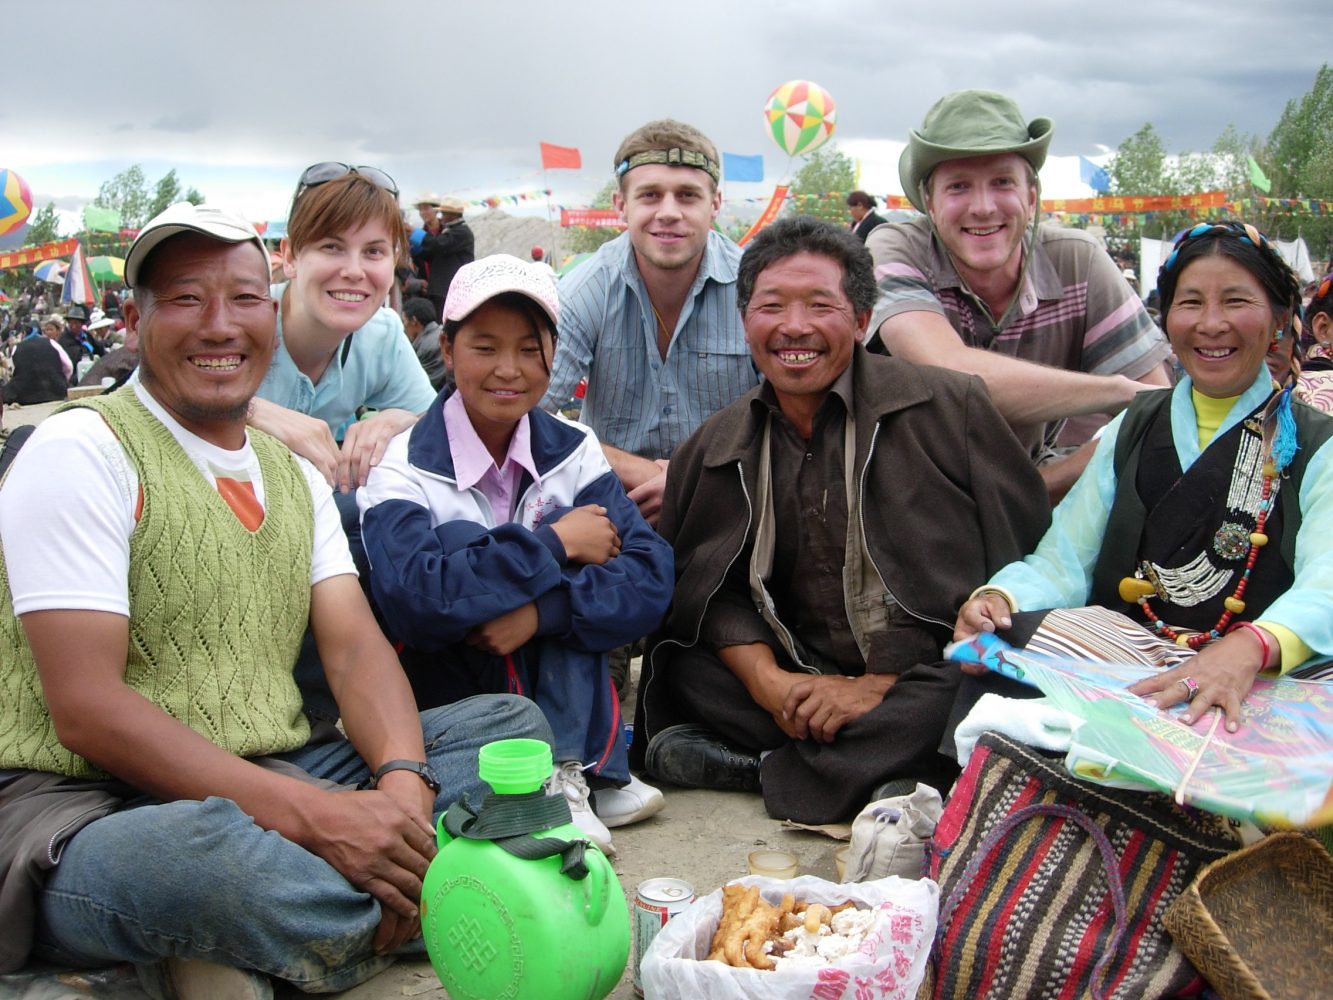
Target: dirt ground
{"type": "Point", "coordinates": [702, 837]}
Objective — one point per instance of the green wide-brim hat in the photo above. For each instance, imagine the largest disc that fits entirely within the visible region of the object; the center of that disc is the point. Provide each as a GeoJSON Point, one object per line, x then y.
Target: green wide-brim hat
{"type": "Point", "coordinates": [970, 123]}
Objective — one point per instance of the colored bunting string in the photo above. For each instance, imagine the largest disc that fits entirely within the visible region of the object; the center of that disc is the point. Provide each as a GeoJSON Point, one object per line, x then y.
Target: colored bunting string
{"type": "Point", "coordinates": [1120, 205]}
{"type": "Point", "coordinates": [496, 200]}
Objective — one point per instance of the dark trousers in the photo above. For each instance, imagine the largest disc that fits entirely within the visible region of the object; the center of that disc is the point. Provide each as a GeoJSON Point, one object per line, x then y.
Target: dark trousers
{"type": "Point", "coordinates": [813, 782]}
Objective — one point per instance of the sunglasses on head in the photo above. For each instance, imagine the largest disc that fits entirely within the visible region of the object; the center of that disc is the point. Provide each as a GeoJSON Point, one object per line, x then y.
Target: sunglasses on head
{"type": "Point", "coordinates": [322, 173]}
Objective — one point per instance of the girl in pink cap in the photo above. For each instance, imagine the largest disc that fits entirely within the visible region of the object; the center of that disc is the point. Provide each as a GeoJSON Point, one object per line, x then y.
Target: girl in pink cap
{"type": "Point", "coordinates": [504, 553]}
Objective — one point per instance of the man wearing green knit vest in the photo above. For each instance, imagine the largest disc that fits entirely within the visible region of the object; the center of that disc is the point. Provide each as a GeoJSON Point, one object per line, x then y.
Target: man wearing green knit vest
{"type": "Point", "coordinates": [162, 800]}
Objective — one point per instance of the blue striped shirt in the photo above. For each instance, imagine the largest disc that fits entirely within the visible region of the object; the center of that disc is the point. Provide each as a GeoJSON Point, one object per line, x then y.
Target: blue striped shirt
{"type": "Point", "coordinates": [636, 401]}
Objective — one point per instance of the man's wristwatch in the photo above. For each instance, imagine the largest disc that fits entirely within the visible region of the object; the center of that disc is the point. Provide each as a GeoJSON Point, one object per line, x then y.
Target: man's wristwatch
{"type": "Point", "coordinates": [421, 769]}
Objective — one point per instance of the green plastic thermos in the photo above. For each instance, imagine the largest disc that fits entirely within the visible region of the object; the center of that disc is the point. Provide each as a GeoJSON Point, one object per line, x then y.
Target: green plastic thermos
{"type": "Point", "coordinates": [518, 904]}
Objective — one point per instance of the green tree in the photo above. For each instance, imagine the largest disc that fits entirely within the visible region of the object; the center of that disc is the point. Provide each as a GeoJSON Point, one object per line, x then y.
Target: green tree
{"type": "Point", "coordinates": [44, 225]}
{"type": "Point", "coordinates": [1139, 164]}
{"type": "Point", "coordinates": [1300, 159]}
{"type": "Point", "coordinates": [1142, 166]}
{"type": "Point", "coordinates": [1232, 152]}
{"type": "Point", "coordinates": [821, 186]}
{"type": "Point", "coordinates": [127, 193]}
{"type": "Point", "coordinates": [585, 239]}
{"type": "Point", "coordinates": [167, 192]}
{"type": "Point", "coordinates": [193, 196]}
{"type": "Point", "coordinates": [1138, 167]}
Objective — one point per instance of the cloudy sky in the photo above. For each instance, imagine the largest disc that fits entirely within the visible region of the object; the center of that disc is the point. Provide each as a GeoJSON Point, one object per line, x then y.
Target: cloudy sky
{"type": "Point", "coordinates": [239, 95]}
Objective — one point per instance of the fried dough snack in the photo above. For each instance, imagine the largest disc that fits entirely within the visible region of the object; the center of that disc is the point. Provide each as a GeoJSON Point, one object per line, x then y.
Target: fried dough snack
{"type": "Point", "coordinates": [749, 923]}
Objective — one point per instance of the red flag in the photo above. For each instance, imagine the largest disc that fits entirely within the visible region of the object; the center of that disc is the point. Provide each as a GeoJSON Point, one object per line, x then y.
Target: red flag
{"type": "Point", "coordinates": [555, 157]}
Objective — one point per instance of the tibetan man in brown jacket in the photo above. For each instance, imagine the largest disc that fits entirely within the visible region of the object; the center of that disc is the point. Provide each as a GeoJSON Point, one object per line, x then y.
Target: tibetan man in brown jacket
{"type": "Point", "coordinates": [827, 527]}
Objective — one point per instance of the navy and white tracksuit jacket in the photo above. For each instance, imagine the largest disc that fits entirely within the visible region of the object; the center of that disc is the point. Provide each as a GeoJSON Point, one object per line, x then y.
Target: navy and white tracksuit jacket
{"type": "Point", "coordinates": [441, 563]}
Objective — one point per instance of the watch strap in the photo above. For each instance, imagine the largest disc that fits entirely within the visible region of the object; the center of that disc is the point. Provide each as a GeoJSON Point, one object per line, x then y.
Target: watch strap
{"type": "Point", "coordinates": [420, 768]}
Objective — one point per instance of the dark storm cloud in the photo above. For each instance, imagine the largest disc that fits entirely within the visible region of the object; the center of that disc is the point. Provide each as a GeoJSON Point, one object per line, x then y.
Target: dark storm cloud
{"type": "Point", "coordinates": [458, 95]}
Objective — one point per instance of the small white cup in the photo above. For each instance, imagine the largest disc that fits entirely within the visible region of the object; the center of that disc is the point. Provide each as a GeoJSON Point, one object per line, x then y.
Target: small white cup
{"type": "Point", "coordinates": [774, 864]}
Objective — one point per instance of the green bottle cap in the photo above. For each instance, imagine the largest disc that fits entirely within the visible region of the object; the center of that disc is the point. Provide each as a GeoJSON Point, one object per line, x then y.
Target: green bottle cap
{"type": "Point", "coordinates": [515, 767]}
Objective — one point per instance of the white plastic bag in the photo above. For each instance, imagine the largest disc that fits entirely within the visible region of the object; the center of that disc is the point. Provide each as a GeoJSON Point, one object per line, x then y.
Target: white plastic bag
{"type": "Point", "coordinates": [891, 963]}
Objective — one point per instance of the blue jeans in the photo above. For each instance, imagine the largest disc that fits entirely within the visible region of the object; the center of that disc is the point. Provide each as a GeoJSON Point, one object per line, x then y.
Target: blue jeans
{"type": "Point", "coordinates": [201, 880]}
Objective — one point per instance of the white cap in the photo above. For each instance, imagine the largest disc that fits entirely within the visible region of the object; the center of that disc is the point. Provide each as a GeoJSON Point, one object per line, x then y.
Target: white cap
{"type": "Point", "coordinates": [183, 217]}
{"type": "Point", "coordinates": [477, 283]}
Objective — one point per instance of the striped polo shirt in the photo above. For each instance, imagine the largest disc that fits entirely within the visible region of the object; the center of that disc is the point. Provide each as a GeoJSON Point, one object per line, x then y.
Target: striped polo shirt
{"type": "Point", "coordinates": [1075, 309]}
{"type": "Point", "coordinates": [636, 401]}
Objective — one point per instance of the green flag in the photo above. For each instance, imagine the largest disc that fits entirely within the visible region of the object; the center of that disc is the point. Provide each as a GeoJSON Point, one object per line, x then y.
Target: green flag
{"type": "Point", "coordinates": [1258, 179]}
{"type": "Point", "coordinates": [101, 220]}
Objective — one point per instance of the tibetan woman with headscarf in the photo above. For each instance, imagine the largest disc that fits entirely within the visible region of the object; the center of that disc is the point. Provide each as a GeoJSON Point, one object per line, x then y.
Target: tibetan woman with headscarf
{"type": "Point", "coordinates": [1203, 519]}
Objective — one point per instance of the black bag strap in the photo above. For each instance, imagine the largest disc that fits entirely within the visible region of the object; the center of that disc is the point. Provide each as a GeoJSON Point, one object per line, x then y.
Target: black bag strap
{"type": "Point", "coordinates": [508, 820]}
{"type": "Point", "coordinates": [1110, 867]}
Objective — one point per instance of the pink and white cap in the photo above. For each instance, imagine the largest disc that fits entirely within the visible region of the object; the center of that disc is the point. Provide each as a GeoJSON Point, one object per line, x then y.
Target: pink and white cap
{"type": "Point", "coordinates": [477, 283]}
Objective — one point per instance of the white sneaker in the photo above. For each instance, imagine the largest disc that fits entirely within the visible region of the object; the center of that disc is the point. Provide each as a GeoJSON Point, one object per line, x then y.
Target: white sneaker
{"type": "Point", "coordinates": [567, 779]}
{"type": "Point", "coordinates": [623, 806]}
{"type": "Point", "coordinates": [198, 979]}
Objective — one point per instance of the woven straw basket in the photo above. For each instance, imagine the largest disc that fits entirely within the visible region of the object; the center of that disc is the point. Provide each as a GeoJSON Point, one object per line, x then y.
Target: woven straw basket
{"type": "Point", "coordinates": [1259, 923]}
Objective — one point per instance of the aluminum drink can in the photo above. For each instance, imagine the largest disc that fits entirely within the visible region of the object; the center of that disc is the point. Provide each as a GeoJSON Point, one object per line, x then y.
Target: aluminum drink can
{"type": "Point", "coordinates": [656, 902]}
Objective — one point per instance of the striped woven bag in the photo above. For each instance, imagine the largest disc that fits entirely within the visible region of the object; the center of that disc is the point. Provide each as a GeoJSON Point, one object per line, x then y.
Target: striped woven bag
{"type": "Point", "coordinates": [1055, 887]}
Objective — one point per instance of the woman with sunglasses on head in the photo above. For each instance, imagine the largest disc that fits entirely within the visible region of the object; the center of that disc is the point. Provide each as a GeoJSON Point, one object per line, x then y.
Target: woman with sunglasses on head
{"type": "Point", "coordinates": [1199, 528]}
{"type": "Point", "coordinates": [339, 348]}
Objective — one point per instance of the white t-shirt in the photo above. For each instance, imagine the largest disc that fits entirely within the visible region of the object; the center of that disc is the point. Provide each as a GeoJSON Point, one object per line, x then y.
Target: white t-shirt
{"type": "Point", "coordinates": [67, 511]}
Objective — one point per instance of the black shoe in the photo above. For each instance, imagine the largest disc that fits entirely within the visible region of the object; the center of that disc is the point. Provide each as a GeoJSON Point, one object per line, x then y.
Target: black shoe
{"type": "Point", "coordinates": [695, 757]}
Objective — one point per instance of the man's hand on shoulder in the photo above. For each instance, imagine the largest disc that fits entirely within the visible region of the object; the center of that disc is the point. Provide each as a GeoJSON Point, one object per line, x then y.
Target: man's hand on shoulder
{"type": "Point", "coordinates": [817, 707]}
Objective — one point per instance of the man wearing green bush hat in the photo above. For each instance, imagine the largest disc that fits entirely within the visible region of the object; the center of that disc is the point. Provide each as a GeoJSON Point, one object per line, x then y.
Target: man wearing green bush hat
{"type": "Point", "coordinates": [979, 284]}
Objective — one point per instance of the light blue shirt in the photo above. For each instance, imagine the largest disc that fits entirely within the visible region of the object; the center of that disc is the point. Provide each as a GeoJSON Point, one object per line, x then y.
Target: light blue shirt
{"type": "Point", "coordinates": [1059, 573]}
{"type": "Point", "coordinates": [636, 401]}
{"type": "Point", "coordinates": [382, 372]}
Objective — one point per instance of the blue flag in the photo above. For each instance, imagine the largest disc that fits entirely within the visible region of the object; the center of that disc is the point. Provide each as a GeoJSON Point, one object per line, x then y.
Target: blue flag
{"type": "Point", "coordinates": [742, 168]}
{"type": "Point", "coordinates": [1094, 176]}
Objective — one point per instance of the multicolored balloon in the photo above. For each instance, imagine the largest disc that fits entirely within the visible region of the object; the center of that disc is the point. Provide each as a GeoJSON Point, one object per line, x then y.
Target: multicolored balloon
{"type": "Point", "coordinates": [801, 116]}
{"type": "Point", "coordinates": [15, 201]}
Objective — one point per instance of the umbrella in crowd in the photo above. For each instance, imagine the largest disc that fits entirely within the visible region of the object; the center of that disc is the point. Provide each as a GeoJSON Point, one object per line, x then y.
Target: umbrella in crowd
{"type": "Point", "coordinates": [52, 271]}
{"type": "Point", "coordinates": [104, 269]}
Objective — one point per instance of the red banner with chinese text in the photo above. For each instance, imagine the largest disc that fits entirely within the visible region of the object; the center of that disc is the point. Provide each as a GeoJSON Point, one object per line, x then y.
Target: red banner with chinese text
{"type": "Point", "coordinates": [591, 217]}
{"type": "Point", "coordinates": [1137, 203]}
{"type": "Point", "coordinates": [37, 254]}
